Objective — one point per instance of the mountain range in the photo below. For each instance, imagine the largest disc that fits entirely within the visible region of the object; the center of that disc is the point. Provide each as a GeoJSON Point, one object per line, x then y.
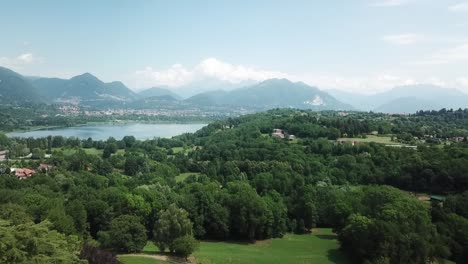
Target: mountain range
{"type": "Point", "coordinates": [273, 93]}
{"type": "Point", "coordinates": [88, 90]}
{"type": "Point", "coordinates": [405, 99]}
{"type": "Point", "coordinates": [16, 88]}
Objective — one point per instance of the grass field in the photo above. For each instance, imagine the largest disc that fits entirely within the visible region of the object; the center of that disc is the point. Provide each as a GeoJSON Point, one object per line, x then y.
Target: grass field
{"type": "Point", "coordinates": [89, 151]}
{"type": "Point", "coordinates": [372, 138]}
{"type": "Point", "coordinates": [181, 177]}
{"type": "Point", "coordinates": [321, 247]}
{"type": "Point", "coordinates": [177, 150]}
{"type": "Point", "coordinates": [140, 260]}
{"type": "Point", "coordinates": [318, 248]}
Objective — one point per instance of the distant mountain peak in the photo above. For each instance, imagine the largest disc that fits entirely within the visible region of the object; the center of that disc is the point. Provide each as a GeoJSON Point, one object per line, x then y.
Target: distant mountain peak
{"type": "Point", "coordinates": [86, 76]}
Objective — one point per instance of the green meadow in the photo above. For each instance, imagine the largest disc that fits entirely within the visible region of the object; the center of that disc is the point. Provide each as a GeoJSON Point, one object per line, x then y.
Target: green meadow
{"type": "Point", "coordinates": [321, 247]}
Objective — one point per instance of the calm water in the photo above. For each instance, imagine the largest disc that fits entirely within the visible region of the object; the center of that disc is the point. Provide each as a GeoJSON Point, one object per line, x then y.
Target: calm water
{"type": "Point", "coordinates": [102, 132]}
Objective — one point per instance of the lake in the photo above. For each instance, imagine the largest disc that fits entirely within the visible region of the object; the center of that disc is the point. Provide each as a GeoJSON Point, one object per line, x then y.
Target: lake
{"type": "Point", "coordinates": [118, 131]}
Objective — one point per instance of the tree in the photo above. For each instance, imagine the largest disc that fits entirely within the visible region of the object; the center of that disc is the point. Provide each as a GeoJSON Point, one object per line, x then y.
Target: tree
{"type": "Point", "coordinates": [36, 243]}
{"type": "Point", "coordinates": [172, 224]}
{"type": "Point", "coordinates": [77, 211]}
{"type": "Point", "coordinates": [247, 211]}
{"type": "Point", "coordinates": [95, 255]}
{"type": "Point", "coordinates": [126, 234]}
{"type": "Point", "coordinates": [109, 149]}
{"type": "Point", "coordinates": [129, 141]}
{"type": "Point", "coordinates": [185, 245]}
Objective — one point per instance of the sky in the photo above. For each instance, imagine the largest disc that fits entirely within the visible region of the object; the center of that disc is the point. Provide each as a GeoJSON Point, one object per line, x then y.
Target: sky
{"type": "Point", "coordinates": [363, 46]}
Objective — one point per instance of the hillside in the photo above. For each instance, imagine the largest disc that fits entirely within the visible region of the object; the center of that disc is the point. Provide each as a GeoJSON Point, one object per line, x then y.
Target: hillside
{"type": "Point", "coordinates": [273, 93]}
{"type": "Point", "coordinates": [15, 89]}
{"type": "Point", "coordinates": [84, 87]}
{"type": "Point", "coordinates": [157, 91]}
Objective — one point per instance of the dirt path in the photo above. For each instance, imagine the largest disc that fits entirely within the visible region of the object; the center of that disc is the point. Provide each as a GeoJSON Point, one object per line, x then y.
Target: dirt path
{"type": "Point", "coordinates": [169, 259]}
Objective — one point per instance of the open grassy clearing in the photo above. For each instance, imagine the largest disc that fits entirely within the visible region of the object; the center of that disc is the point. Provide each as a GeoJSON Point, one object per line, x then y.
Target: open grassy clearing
{"type": "Point", "coordinates": [372, 138]}
{"type": "Point", "coordinates": [178, 150]}
{"type": "Point", "coordinates": [321, 247]}
{"type": "Point", "coordinates": [89, 151]}
{"type": "Point", "coordinates": [140, 260]}
{"type": "Point", "coordinates": [181, 177]}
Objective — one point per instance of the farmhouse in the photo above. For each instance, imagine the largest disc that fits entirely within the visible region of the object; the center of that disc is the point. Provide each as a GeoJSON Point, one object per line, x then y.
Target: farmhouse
{"type": "Point", "coordinates": [277, 133]}
{"type": "Point", "coordinates": [352, 142]}
{"type": "Point", "coordinates": [22, 173]}
{"type": "Point", "coordinates": [3, 155]}
{"type": "Point", "coordinates": [45, 167]}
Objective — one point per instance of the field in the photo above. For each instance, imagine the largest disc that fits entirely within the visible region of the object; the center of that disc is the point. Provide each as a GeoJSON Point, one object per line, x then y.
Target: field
{"type": "Point", "coordinates": [181, 177]}
{"type": "Point", "coordinates": [89, 151]}
{"type": "Point", "coordinates": [319, 248]}
{"type": "Point", "coordinates": [372, 138]}
{"type": "Point", "coordinates": [129, 259]}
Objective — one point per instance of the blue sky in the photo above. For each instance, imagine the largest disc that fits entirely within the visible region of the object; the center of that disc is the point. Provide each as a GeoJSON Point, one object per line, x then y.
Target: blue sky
{"type": "Point", "coordinates": [362, 45]}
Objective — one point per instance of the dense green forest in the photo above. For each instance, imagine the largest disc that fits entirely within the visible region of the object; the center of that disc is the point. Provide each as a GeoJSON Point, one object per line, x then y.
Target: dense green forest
{"type": "Point", "coordinates": [244, 184]}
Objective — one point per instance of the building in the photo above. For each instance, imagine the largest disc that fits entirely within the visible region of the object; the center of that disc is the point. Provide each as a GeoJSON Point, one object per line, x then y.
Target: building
{"type": "Point", "coordinates": [3, 155]}
{"type": "Point", "coordinates": [45, 167]}
{"type": "Point", "coordinates": [278, 133]}
{"type": "Point", "coordinates": [22, 173]}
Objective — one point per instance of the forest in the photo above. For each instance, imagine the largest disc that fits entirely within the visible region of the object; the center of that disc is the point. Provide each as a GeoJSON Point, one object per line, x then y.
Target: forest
{"type": "Point", "coordinates": [90, 200]}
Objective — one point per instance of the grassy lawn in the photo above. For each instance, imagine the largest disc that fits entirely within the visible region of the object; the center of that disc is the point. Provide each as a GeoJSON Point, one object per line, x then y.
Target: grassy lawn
{"type": "Point", "coordinates": [372, 138]}
{"type": "Point", "coordinates": [178, 150]}
{"type": "Point", "coordinates": [320, 247]}
{"type": "Point", "coordinates": [89, 151]}
{"type": "Point", "coordinates": [181, 177]}
{"type": "Point", "coordinates": [140, 260]}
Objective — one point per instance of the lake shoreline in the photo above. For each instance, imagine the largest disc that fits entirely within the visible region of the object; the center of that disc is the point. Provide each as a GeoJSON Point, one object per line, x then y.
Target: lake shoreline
{"type": "Point", "coordinates": [104, 130]}
{"type": "Point", "coordinates": [123, 122]}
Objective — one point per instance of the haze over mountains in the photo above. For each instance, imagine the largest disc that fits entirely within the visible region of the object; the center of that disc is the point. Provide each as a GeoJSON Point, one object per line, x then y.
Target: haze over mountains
{"type": "Point", "coordinates": [406, 99]}
{"type": "Point", "coordinates": [87, 89]}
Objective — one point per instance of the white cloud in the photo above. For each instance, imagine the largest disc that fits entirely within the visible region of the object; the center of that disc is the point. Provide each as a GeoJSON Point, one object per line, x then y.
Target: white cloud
{"type": "Point", "coordinates": [178, 75]}
{"type": "Point", "coordinates": [390, 3]}
{"type": "Point", "coordinates": [404, 39]}
{"type": "Point", "coordinates": [463, 83]}
{"type": "Point", "coordinates": [447, 56]}
{"type": "Point", "coordinates": [18, 62]}
{"type": "Point", "coordinates": [234, 73]}
{"type": "Point", "coordinates": [460, 7]}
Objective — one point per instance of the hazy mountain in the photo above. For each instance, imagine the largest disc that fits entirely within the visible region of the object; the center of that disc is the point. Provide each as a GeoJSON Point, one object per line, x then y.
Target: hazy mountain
{"type": "Point", "coordinates": [158, 91]}
{"type": "Point", "coordinates": [15, 89]}
{"type": "Point", "coordinates": [119, 90]}
{"type": "Point", "coordinates": [209, 98]}
{"type": "Point", "coordinates": [411, 98]}
{"type": "Point", "coordinates": [158, 102]}
{"type": "Point", "coordinates": [407, 105]}
{"type": "Point", "coordinates": [357, 100]}
{"type": "Point", "coordinates": [209, 85]}
{"type": "Point", "coordinates": [50, 87]}
{"type": "Point", "coordinates": [273, 93]}
{"type": "Point", "coordinates": [85, 87]}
